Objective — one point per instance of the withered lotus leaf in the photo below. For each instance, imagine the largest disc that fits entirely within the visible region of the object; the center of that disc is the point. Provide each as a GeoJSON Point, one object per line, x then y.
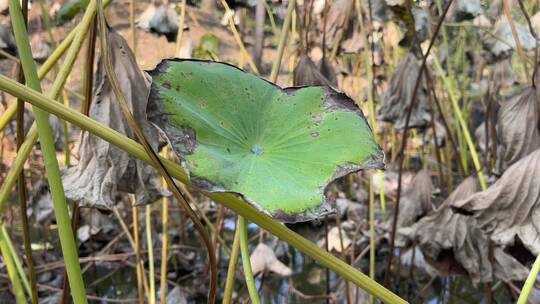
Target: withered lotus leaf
{"type": "Point", "coordinates": [104, 170]}
{"type": "Point", "coordinates": [510, 207]}
{"type": "Point", "coordinates": [516, 128]}
{"type": "Point", "coordinates": [447, 238]}
{"type": "Point", "coordinates": [397, 98]}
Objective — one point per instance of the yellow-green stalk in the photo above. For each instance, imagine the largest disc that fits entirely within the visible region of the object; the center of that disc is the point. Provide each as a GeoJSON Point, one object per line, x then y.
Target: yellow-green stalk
{"type": "Point", "coordinates": [229, 282]}
{"type": "Point", "coordinates": [67, 240]}
{"type": "Point", "coordinates": [462, 123]}
{"type": "Point", "coordinates": [246, 263]}
{"type": "Point", "coordinates": [11, 269]}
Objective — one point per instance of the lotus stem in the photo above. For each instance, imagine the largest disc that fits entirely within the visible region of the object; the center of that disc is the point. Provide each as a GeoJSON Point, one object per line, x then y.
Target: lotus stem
{"type": "Point", "coordinates": [11, 268]}
{"type": "Point", "coordinates": [371, 231]}
{"type": "Point", "coordinates": [227, 199]}
{"type": "Point", "coordinates": [136, 242]}
{"type": "Point", "coordinates": [462, 124]}
{"type": "Point", "coordinates": [16, 260]}
{"type": "Point", "coordinates": [8, 114]}
{"type": "Point", "coordinates": [22, 194]}
{"type": "Point", "coordinates": [238, 39]}
{"type": "Point", "coordinates": [270, 17]}
{"type": "Point", "coordinates": [9, 56]}
{"type": "Point", "coordinates": [164, 249]}
{"type": "Point", "coordinates": [150, 248]}
{"type": "Point", "coordinates": [282, 41]}
{"type": "Point", "coordinates": [246, 262]}
{"type": "Point", "coordinates": [164, 240]}
{"type": "Point", "coordinates": [404, 136]}
{"type": "Point", "coordinates": [181, 22]}
{"type": "Point", "coordinates": [132, 7]}
{"type": "Point", "coordinates": [371, 102]}
{"type": "Point", "coordinates": [229, 282]}
{"type": "Point", "coordinates": [65, 124]}
{"type": "Point", "coordinates": [47, 20]}
{"type": "Point", "coordinates": [89, 59]}
{"type": "Point", "coordinates": [67, 240]}
{"type": "Point", "coordinates": [529, 283]}
{"type": "Point", "coordinates": [508, 13]}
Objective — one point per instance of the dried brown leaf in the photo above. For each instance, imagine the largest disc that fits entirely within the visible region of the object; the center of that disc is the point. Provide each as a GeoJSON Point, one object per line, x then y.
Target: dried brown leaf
{"type": "Point", "coordinates": [516, 128]}
{"type": "Point", "coordinates": [334, 242]}
{"type": "Point", "coordinates": [264, 259]}
{"type": "Point", "coordinates": [454, 243]}
{"type": "Point", "coordinates": [397, 97]}
{"type": "Point", "coordinates": [308, 74]}
{"type": "Point", "coordinates": [176, 296]}
{"type": "Point", "coordinates": [41, 50]}
{"type": "Point", "coordinates": [466, 9]}
{"type": "Point", "coordinates": [510, 207]}
{"type": "Point", "coordinates": [103, 169]}
{"type": "Point", "coordinates": [503, 75]}
{"type": "Point", "coordinates": [3, 6]}
{"type": "Point", "coordinates": [500, 43]}
{"type": "Point", "coordinates": [328, 71]}
{"type": "Point", "coordinates": [416, 200]}
{"type": "Point", "coordinates": [338, 20]}
{"type": "Point", "coordinates": [7, 40]}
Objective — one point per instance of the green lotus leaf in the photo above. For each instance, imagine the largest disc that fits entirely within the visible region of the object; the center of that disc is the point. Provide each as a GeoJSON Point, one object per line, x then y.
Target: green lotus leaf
{"type": "Point", "coordinates": [278, 148]}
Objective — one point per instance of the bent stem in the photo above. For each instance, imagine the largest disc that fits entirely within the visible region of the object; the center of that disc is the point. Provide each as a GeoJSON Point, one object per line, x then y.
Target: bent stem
{"type": "Point", "coordinates": [229, 200]}
{"type": "Point", "coordinates": [67, 240]}
{"type": "Point", "coordinates": [246, 263]}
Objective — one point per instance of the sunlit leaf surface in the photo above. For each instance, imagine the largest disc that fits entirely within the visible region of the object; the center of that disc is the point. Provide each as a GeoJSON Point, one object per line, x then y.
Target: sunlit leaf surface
{"type": "Point", "coordinates": [279, 148]}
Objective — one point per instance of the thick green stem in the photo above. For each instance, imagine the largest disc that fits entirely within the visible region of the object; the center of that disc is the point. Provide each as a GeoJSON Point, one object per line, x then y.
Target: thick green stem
{"type": "Point", "coordinates": [246, 262]}
{"type": "Point", "coordinates": [229, 200]}
{"type": "Point", "coordinates": [67, 241]}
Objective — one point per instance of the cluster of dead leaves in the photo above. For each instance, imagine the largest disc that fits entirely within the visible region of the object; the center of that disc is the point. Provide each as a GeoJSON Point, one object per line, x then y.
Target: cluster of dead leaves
{"type": "Point", "coordinates": [477, 232]}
